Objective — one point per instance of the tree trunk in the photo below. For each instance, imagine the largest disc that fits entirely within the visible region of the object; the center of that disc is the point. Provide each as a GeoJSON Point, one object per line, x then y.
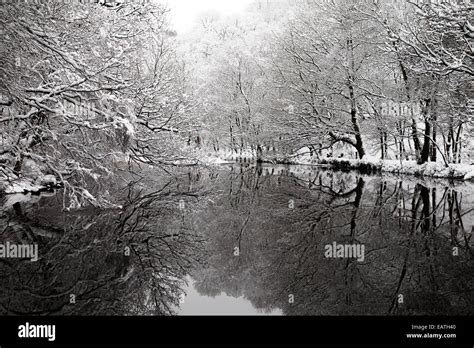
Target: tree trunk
{"type": "Point", "coordinates": [416, 140]}
{"type": "Point", "coordinates": [359, 145]}
{"type": "Point", "coordinates": [414, 128]}
{"type": "Point", "coordinates": [427, 143]}
{"type": "Point", "coordinates": [434, 151]}
{"type": "Point", "coordinates": [382, 146]}
{"type": "Point", "coordinates": [458, 145]}
{"type": "Point", "coordinates": [434, 119]}
{"type": "Point", "coordinates": [425, 153]}
{"type": "Point", "coordinates": [18, 166]}
{"type": "Point", "coordinates": [259, 154]}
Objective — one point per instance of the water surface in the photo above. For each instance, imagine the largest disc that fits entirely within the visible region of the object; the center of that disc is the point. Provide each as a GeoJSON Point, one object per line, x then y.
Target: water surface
{"type": "Point", "coordinates": [242, 240]}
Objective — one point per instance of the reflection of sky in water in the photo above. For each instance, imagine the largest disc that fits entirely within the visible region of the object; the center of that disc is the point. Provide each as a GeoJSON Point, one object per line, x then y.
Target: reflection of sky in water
{"type": "Point", "coordinates": [197, 304]}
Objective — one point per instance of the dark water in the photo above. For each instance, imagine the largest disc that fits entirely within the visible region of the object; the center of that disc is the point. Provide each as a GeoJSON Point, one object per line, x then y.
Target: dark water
{"type": "Point", "coordinates": [245, 240]}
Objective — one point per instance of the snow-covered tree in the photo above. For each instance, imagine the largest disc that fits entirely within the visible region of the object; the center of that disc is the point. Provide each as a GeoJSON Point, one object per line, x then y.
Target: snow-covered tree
{"type": "Point", "coordinates": [84, 86]}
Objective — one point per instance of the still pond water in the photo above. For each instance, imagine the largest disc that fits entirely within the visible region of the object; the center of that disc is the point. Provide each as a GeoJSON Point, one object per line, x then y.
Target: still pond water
{"type": "Point", "coordinates": [241, 240]}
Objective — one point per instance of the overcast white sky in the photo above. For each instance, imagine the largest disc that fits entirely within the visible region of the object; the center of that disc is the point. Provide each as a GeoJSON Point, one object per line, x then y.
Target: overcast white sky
{"type": "Point", "coordinates": [184, 12]}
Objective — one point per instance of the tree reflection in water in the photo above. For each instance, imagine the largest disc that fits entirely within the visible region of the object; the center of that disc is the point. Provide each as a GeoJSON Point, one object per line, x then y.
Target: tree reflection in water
{"type": "Point", "coordinates": [409, 231]}
{"type": "Point", "coordinates": [84, 257]}
{"type": "Point", "coordinates": [417, 238]}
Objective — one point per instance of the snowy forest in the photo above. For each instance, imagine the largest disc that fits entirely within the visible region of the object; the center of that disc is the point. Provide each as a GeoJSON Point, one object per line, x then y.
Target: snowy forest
{"type": "Point", "coordinates": [91, 90]}
{"type": "Point", "coordinates": [333, 119]}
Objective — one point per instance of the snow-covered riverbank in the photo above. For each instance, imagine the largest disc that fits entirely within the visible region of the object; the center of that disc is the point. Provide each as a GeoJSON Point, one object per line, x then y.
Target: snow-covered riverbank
{"type": "Point", "coordinates": [373, 165]}
{"type": "Point", "coordinates": [367, 165]}
{"type": "Point", "coordinates": [28, 185]}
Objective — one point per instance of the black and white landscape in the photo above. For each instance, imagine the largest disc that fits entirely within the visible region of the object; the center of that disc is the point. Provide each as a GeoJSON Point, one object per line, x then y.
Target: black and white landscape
{"type": "Point", "coordinates": [259, 157]}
